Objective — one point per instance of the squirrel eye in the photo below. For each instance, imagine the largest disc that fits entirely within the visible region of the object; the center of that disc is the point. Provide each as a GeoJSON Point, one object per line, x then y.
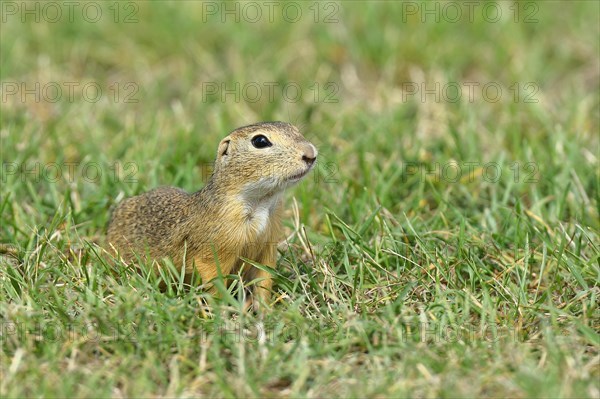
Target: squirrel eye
{"type": "Point", "coordinates": [261, 141]}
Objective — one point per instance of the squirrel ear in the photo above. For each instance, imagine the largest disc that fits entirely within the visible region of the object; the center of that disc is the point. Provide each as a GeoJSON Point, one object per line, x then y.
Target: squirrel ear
{"type": "Point", "coordinates": [223, 147]}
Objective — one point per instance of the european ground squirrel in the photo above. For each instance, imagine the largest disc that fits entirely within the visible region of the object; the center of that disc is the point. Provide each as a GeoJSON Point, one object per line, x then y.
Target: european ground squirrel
{"type": "Point", "coordinates": [236, 215]}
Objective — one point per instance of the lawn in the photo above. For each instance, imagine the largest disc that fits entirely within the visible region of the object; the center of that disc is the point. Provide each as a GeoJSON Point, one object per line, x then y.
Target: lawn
{"type": "Point", "coordinates": [447, 244]}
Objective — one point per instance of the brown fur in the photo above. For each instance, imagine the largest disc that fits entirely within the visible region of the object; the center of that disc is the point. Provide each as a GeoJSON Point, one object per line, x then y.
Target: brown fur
{"type": "Point", "coordinates": [237, 214]}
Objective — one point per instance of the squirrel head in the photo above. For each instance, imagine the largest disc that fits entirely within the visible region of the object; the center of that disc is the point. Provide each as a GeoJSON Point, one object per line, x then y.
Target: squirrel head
{"type": "Point", "coordinates": [264, 158]}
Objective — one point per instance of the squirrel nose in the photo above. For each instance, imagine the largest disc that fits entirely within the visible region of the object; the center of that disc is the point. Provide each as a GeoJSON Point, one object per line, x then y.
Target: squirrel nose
{"type": "Point", "coordinates": [310, 155]}
{"type": "Point", "coordinates": [309, 161]}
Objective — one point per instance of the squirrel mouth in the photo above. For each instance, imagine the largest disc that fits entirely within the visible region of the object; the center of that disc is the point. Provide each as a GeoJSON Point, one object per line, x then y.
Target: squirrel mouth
{"type": "Point", "coordinates": [298, 176]}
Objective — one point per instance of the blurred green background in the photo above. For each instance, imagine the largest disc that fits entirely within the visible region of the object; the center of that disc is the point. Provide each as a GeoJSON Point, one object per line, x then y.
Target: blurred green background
{"type": "Point", "coordinates": [190, 72]}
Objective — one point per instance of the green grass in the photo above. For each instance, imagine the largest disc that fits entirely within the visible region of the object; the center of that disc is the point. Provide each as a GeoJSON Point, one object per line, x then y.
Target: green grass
{"type": "Point", "coordinates": [398, 279]}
